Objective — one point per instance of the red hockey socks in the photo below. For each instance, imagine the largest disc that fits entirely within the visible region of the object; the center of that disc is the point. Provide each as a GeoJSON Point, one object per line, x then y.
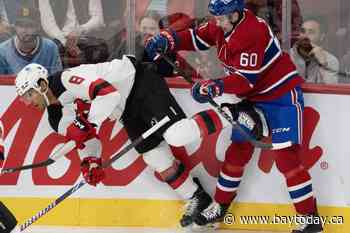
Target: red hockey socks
{"type": "Point", "coordinates": [237, 156]}
{"type": "Point", "coordinates": [298, 181]}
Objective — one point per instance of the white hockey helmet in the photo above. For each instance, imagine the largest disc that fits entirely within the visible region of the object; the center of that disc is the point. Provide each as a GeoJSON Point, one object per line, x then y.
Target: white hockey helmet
{"type": "Point", "coordinates": [28, 78]}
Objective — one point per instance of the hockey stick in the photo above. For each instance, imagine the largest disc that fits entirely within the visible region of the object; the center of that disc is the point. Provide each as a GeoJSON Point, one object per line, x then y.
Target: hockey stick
{"type": "Point", "coordinates": [176, 68]}
{"type": "Point", "coordinates": [83, 182]}
{"type": "Point", "coordinates": [63, 150]}
{"type": "Point", "coordinates": [252, 140]}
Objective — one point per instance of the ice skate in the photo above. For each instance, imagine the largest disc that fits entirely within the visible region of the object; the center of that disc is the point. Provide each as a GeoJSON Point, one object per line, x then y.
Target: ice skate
{"type": "Point", "coordinates": [310, 225]}
{"type": "Point", "coordinates": [210, 218]}
{"type": "Point", "coordinates": [199, 202]}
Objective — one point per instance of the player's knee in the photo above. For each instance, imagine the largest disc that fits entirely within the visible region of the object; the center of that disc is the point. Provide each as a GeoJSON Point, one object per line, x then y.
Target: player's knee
{"type": "Point", "coordinates": [238, 154]}
{"type": "Point", "coordinates": [159, 158]}
{"type": "Point", "coordinates": [186, 131]}
{"type": "Point", "coordinates": [182, 132]}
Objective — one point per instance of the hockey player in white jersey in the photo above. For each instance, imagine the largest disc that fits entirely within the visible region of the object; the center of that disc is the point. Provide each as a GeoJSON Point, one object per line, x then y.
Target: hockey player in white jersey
{"type": "Point", "coordinates": [7, 220]}
{"type": "Point", "coordinates": [79, 99]}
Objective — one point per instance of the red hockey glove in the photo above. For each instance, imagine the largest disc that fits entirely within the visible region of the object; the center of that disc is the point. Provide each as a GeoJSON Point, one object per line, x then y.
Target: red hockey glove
{"type": "Point", "coordinates": [80, 131]}
{"type": "Point", "coordinates": [92, 171]}
{"type": "Point", "coordinates": [82, 108]}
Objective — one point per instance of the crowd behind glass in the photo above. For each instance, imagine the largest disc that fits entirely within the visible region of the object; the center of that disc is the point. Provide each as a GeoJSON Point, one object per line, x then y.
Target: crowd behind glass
{"type": "Point", "coordinates": [65, 33]}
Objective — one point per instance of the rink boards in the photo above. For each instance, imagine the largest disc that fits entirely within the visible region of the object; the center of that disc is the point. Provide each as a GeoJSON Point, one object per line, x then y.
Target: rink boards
{"type": "Point", "coordinates": [131, 195]}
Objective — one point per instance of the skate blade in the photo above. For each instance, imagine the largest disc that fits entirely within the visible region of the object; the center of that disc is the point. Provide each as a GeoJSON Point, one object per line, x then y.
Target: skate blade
{"type": "Point", "coordinates": [206, 228]}
{"type": "Point", "coordinates": [187, 229]}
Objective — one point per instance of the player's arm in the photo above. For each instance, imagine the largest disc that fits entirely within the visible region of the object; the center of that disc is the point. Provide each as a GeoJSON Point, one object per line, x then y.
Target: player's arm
{"type": "Point", "coordinates": [103, 96]}
{"type": "Point", "coordinates": [104, 99]}
{"type": "Point", "coordinates": [201, 38]}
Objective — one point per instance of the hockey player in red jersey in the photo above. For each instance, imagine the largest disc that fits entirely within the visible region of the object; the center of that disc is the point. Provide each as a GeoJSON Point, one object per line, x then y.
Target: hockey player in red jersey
{"type": "Point", "coordinates": [79, 99]}
{"type": "Point", "coordinates": [264, 77]}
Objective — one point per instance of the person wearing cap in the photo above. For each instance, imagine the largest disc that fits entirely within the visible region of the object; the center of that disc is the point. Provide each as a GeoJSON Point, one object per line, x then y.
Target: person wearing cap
{"type": "Point", "coordinates": [27, 46]}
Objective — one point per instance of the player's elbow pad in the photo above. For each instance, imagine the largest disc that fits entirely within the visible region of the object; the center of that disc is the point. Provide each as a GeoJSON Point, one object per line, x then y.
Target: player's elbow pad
{"type": "Point", "coordinates": [105, 107]}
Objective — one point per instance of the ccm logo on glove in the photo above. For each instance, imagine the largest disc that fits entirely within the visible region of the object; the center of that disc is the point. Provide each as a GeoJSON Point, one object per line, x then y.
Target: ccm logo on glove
{"type": "Point", "coordinates": [80, 131]}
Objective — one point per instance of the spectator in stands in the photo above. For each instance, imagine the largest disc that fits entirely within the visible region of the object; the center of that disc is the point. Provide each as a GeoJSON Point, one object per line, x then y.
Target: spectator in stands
{"type": "Point", "coordinates": [149, 25]}
{"type": "Point", "coordinates": [118, 23]}
{"type": "Point", "coordinates": [314, 63]}
{"type": "Point", "coordinates": [27, 46]}
{"type": "Point", "coordinates": [72, 23]}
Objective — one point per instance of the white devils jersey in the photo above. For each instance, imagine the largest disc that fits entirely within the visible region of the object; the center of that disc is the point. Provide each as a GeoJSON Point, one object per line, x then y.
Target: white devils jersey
{"type": "Point", "coordinates": [104, 86]}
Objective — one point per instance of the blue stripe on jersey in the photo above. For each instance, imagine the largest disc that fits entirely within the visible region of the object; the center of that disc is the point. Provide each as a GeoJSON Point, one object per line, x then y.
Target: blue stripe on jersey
{"type": "Point", "coordinates": [251, 77]}
{"type": "Point", "coordinates": [271, 52]}
{"type": "Point", "coordinates": [301, 192]}
{"type": "Point", "coordinates": [228, 183]}
{"type": "Point", "coordinates": [198, 43]}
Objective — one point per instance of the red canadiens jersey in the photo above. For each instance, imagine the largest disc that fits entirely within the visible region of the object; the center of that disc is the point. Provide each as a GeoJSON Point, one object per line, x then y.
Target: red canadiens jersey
{"type": "Point", "coordinates": [256, 66]}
